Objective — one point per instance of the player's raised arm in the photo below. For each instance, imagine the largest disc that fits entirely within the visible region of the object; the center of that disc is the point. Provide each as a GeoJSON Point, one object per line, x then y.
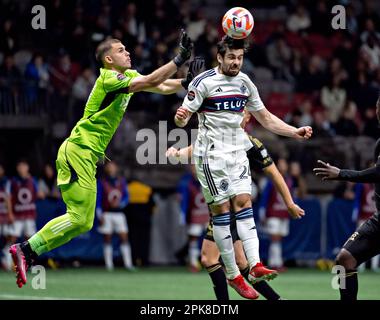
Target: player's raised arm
{"type": "Point", "coordinates": [329, 172]}
{"type": "Point", "coordinates": [171, 86]}
{"type": "Point", "coordinates": [278, 180]}
{"type": "Point", "coordinates": [166, 71]}
{"type": "Point", "coordinates": [269, 121]}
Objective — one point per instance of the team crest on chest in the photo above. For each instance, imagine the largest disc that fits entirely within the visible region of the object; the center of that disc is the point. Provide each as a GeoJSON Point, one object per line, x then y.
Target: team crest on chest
{"type": "Point", "coordinates": [243, 88]}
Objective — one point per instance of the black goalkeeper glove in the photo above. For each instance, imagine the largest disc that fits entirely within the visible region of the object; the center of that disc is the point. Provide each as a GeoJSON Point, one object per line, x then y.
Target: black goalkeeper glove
{"type": "Point", "coordinates": [196, 67]}
{"type": "Point", "coordinates": [185, 48]}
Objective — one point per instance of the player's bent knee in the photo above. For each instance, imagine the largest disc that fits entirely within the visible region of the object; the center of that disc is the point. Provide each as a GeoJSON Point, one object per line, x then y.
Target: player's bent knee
{"type": "Point", "coordinates": [345, 259]}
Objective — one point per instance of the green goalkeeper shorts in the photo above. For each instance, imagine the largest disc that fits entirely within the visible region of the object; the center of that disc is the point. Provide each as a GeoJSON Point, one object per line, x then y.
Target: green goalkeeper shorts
{"type": "Point", "coordinates": [76, 163]}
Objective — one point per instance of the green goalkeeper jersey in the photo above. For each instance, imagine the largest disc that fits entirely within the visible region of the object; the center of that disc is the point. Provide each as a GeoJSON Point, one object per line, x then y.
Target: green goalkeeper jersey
{"type": "Point", "coordinates": [104, 110]}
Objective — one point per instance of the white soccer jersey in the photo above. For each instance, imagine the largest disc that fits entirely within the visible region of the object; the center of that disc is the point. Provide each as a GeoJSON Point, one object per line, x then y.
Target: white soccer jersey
{"type": "Point", "coordinates": [219, 101]}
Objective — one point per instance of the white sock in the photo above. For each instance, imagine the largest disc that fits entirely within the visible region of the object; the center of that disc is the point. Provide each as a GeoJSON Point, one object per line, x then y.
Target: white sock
{"type": "Point", "coordinates": [223, 239]}
{"type": "Point", "coordinates": [246, 228]}
{"type": "Point", "coordinates": [125, 250]}
{"type": "Point", "coordinates": [194, 252]}
{"type": "Point", "coordinates": [375, 262]}
{"type": "Point", "coordinates": [7, 258]}
{"type": "Point", "coordinates": [108, 255]}
{"type": "Point", "coordinates": [275, 254]}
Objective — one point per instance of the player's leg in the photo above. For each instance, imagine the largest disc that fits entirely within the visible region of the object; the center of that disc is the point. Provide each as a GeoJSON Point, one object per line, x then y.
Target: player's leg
{"type": "Point", "coordinates": [360, 247]}
{"type": "Point", "coordinates": [214, 181]}
{"type": "Point", "coordinates": [247, 232]}
{"type": "Point", "coordinates": [210, 261]}
{"type": "Point", "coordinates": [262, 286]}
{"type": "Point", "coordinates": [195, 232]}
{"type": "Point", "coordinates": [106, 230]}
{"type": "Point", "coordinates": [121, 228]}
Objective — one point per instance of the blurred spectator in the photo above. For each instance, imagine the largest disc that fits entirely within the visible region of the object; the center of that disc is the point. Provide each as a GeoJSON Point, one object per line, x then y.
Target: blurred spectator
{"type": "Point", "coordinates": [196, 26]}
{"type": "Point", "coordinates": [279, 56]}
{"type": "Point", "coordinates": [336, 70]}
{"type": "Point", "coordinates": [369, 31]}
{"type": "Point", "coordinates": [132, 25]}
{"type": "Point", "coordinates": [81, 90]}
{"type": "Point", "coordinates": [321, 126]}
{"type": "Point", "coordinates": [370, 51]}
{"type": "Point", "coordinates": [333, 99]}
{"type": "Point", "coordinates": [311, 78]}
{"type": "Point", "coordinates": [194, 211]}
{"type": "Point", "coordinates": [299, 20]}
{"type": "Point", "coordinates": [298, 181]}
{"type": "Point", "coordinates": [351, 20]}
{"type": "Point", "coordinates": [371, 124]}
{"type": "Point", "coordinates": [6, 220]}
{"type": "Point", "coordinates": [363, 92]}
{"type": "Point", "coordinates": [37, 77]}
{"type": "Point", "coordinates": [139, 216]}
{"type": "Point", "coordinates": [10, 76]}
{"type": "Point", "coordinates": [63, 74]}
{"type": "Point", "coordinates": [321, 19]}
{"type": "Point", "coordinates": [346, 125]}
{"type": "Point", "coordinates": [47, 184]}
{"type": "Point", "coordinates": [112, 198]}
{"type": "Point", "coordinates": [274, 215]}
{"type": "Point", "coordinates": [8, 42]}
{"type": "Point", "coordinates": [345, 190]}
{"type": "Point", "coordinates": [24, 192]}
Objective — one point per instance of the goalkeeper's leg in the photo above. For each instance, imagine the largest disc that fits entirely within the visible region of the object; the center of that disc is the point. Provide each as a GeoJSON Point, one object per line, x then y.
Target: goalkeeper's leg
{"type": "Point", "coordinates": [78, 219]}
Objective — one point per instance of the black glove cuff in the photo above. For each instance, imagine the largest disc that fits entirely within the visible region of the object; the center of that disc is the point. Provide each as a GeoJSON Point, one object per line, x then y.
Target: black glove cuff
{"type": "Point", "coordinates": [185, 83]}
{"type": "Point", "coordinates": [179, 60]}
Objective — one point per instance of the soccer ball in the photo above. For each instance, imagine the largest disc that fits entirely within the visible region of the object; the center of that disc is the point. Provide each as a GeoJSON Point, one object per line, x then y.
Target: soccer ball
{"type": "Point", "coordinates": [237, 23]}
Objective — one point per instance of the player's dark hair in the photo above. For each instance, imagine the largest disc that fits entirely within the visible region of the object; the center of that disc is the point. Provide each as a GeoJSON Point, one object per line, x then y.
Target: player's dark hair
{"type": "Point", "coordinates": [103, 48]}
{"type": "Point", "coordinates": [230, 43]}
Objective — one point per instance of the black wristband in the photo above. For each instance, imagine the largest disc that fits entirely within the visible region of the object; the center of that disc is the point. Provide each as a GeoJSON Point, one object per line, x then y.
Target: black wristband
{"type": "Point", "coordinates": [179, 61]}
{"type": "Point", "coordinates": [184, 83]}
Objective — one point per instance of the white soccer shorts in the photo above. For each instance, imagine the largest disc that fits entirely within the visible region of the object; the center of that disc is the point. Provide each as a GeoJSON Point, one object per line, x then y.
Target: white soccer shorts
{"type": "Point", "coordinates": [277, 226]}
{"type": "Point", "coordinates": [114, 222]}
{"type": "Point", "coordinates": [25, 227]}
{"type": "Point", "coordinates": [197, 229]}
{"type": "Point", "coordinates": [223, 177]}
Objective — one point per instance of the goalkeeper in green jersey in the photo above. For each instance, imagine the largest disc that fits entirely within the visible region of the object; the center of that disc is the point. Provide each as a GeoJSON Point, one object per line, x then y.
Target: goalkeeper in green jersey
{"type": "Point", "coordinates": [79, 153]}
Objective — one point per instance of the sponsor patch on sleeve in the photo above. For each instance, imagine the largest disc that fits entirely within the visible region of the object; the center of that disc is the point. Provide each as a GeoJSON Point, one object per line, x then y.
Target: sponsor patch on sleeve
{"type": "Point", "coordinates": [191, 95]}
{"type": "Point", "coordinates": [121, 76]}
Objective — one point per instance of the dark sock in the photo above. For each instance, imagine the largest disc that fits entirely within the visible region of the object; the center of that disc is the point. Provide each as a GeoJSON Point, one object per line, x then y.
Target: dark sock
{"type": "Point", "coordinates": [262, 287]}
{"type": "Point", "coordinates": [219, 280]}
{"type": "Point", "coordinates": [30, 255]}
{"type": "Point", "coordinates": [351, 291]}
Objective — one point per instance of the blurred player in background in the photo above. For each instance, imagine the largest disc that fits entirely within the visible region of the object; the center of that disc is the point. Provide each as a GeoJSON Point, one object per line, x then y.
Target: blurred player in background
{"type": "Point", "coordinates": [6, 219]}
{"type": "Point", "coordinates": [24, 192]}
{"type": "Point", "coordinates": [273, 213]}
{"type": "Point", "coordinates": [364, 242]}
{"type": "Point", "coordinates": [219, 97]}
{"type": "Point", "coordinates": [364, 208]}
{"type": "Point", "coordinates": [86, 145]}
{"type": "Point", "coordinates": [111, 202]}
{"type": "Point", "coordinates": [195, 211]}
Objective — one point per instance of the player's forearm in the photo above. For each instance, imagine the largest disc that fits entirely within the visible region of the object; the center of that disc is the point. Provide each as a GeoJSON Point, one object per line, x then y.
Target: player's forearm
{"type": "Point", "coordinates": [272, 123]}
{"type": "Point", "coordinates": [171, 86]}
{"type": "Point", "coordinates": [280, 184]}
{"type": "Point", "coordinates": [161, 74]}
{"type": "Point", "coordinates": [370, 175]}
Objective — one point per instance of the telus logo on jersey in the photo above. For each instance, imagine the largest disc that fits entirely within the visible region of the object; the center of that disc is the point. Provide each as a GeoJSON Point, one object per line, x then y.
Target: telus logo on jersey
{"type": "Point", "coordinates": [229, 103]}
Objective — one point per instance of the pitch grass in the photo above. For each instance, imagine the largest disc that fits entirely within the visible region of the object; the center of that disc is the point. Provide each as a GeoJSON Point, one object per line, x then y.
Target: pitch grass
{"type": "Point", "coordinates": [172, 283]}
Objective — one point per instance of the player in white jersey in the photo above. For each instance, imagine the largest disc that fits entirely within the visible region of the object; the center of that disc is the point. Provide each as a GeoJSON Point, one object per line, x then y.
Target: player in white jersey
{"type": "Point", "coordinates": [219, 97]}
